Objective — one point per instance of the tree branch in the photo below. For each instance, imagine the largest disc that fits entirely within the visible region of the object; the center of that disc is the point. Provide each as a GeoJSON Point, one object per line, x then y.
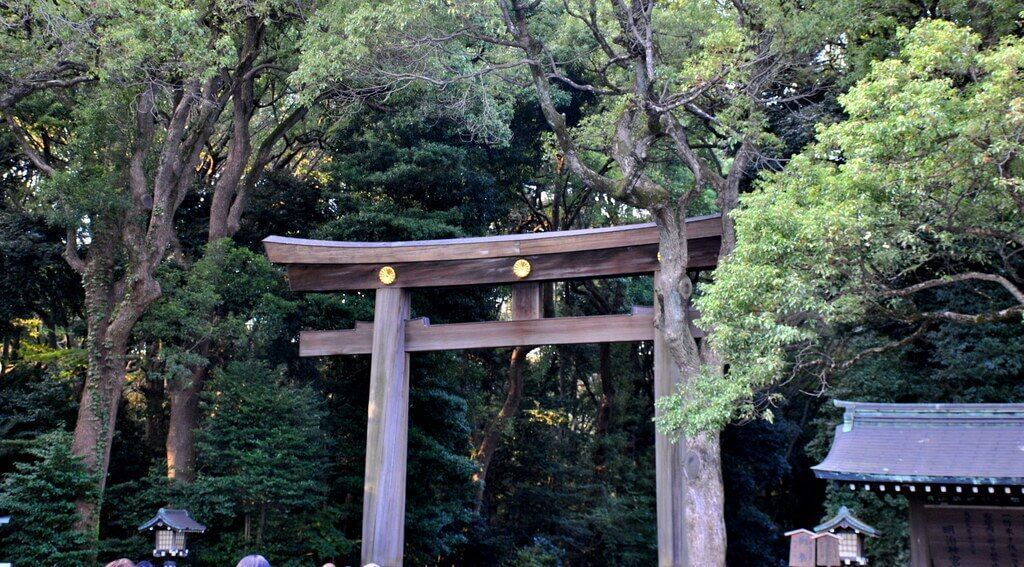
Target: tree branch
{"type": "Point", "coordinates": [33, 155]}
{"type": "Point", "coordinates": [1008, 314]}
{"type": "Point", "coordinates": [71, 255]}
{"type": "Point", "coordinates": [946, 280]}
{"type": "Point", "coordinates": [886, 347]}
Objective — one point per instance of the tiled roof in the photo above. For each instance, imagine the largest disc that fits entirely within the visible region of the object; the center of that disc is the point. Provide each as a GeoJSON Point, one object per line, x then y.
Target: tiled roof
{"type": "Point", "coordinates": [845, 519]}
{"type": "Point", "coordinates": [979, 444]}
{"type": "Point", "coordinates": [174, 519]}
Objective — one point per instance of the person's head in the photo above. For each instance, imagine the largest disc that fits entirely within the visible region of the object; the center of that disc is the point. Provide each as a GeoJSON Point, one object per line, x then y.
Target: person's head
{"type": "Point", "coordinates": [328, 565]}
{"type": "Point", "coordinates": [253, 561]}
{"type": "Point", "coordinates": [121, 563]}
{"type": "Point", "coordinates": [143, 563]}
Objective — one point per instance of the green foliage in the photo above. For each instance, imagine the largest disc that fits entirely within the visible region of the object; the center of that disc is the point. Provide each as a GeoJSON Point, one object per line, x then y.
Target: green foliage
{"type": "Point", "coordinates": [232, 297]}
{"type": "Point", "coordinates": [262, 464]}
{"type": "Point", "coordinates": [34, 278]}
{"type": "Point", "coordinates": [902, 192]}
{"type": "Point", "coordinates": [128, 504]}
{"type": "Point", "coordinates": [867, 31]}
{"type": "Point", "coordinates": [40, 498]}
{"type": "Point", "coordinates": [982, 364]}
{"type": "Point", "coordinates": [542, 553]}
{"type": "Point", "coordinates": [282, 440]}
{"type": "Point", "coordinates": [34, 400]}
{"type": "Point", "coordinates": [380, 48]}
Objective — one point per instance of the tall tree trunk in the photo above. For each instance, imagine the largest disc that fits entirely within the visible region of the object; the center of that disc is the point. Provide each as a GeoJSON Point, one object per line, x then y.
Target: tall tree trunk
{"type": "Point", "coordinates": [236, 180]}
{"type": "Point", "coordinates": [702, 462]}
{"type": "Point", "coordinates": [181, 437]}
{"type": "Point", "coordinates": [113, 307]}
{"type": "Point", "coordinates": [156, 422]}
{"type": "Point", "coordinates": [94, 429]}
{"type": "Point", "coordinates": [604, 411]}
{"type": "Point", "coordinates": [705, 493]}
{"type": "Point", "coordinates": [484, 451]}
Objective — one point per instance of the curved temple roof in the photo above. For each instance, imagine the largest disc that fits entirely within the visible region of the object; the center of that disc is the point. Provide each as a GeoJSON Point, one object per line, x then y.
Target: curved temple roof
{"type": "Point", "coordinates": [973, 444]}
{"type": "Point", "coordinates": [845, 519]}
{"type": "Point", "coordinates": [175, 519]}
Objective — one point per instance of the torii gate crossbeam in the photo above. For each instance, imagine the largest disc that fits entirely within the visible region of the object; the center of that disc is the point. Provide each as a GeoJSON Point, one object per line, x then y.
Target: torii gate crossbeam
{"type": "Point", "coordinates": [393, 269]}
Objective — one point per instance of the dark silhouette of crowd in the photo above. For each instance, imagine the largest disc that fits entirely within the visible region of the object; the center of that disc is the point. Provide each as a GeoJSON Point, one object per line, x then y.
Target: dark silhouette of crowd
{"type": "Point", "coordinates": [247, 561]}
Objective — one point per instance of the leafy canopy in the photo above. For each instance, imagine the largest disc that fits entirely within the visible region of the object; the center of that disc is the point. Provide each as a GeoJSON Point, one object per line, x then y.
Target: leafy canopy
{"type": "Point", "coordinates": [919, 189]}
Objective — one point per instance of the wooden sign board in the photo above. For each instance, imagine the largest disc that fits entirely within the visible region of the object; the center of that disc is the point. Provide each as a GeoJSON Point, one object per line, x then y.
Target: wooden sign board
{"type": "Point", "coordinates": [975, 536]}
{"type": "Point", "coordinates": [801, 549]}
{"type": "Point", "coordinates": [827, 547]}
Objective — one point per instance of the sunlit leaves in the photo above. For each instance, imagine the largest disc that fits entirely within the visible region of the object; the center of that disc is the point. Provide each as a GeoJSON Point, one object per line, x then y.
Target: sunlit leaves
{"type": "Point", "coordinates": [927, 154]}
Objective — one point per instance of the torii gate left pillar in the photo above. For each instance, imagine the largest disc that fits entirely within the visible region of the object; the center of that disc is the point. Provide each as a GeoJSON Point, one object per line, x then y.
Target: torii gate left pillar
{"type": "Point", "coordinates": [393, 269]}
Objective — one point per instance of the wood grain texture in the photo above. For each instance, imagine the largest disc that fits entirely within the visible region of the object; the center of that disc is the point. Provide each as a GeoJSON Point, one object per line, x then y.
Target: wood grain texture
{"type": "Point", "coordinates": [387, 433]}
{"type": "Point", "coordinates": [920, 552]}
{"type": "Point", "coordinates": [284, 250]}
{"type": "Point", "coordinates": [326, 343]}
{"type": "Point", "coordinates": [610, 262]}
{"type": "Point", "coordinates": [670, 487]}
{"type": "Point", "coordinates": [421, 336]}
{"type": "Point", "coordinates": [526, 301]}
{"type": "Point", "coordinates": [556, 331]}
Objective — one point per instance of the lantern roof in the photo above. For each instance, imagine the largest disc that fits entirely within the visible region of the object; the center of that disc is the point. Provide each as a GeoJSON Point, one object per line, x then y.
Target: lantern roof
{"type": "Point", "coordinates": [973, 444]}
{"type": "Point", "coordinates": [845, 520]}
{"type": "Point", "coordinates": [177, 520]}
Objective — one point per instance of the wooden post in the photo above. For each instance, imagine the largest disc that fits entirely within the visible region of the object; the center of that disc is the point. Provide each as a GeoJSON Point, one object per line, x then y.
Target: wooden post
{"type": "Point", "coordinates": [387, 432]}
{"type": "Point", "coordinates": [920, 555]}
{"type": "Point", "coordinates": [670, 485]}
{"type": "Point", "coordinates": [526, 301]}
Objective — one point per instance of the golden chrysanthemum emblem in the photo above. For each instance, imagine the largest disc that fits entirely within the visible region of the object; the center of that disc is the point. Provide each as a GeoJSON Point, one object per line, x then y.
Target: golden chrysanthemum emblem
{"type": "Point", "coordinates": [521, 268]}
{"type": "Point", "coordinates": [387, 275]}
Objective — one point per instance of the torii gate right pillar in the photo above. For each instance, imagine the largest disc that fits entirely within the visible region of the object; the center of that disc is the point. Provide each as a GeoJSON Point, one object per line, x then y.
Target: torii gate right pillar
{"type": "Point", "coordinates": [670, 482]}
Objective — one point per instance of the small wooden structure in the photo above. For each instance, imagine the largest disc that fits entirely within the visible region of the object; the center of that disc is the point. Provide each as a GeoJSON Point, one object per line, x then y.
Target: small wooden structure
{"type": "Point", "coordinates": [170, 527]}
{"type": "Point", "coordinates": [961, 467]}
{"type": "Point", "coordinates": [850, 533]}
{"type": "Point", "coordinates": [834, 542]}
{"type": "Point", "coordinates": [826, 548]}
{"type": "Point", "coordinates": [393, 269]}
{"type": "Point", "coordinates": [801, 548]}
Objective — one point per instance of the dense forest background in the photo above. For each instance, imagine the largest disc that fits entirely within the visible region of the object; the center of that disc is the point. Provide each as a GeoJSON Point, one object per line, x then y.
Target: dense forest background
{"type": "Point", "coordinates": [279, 440]}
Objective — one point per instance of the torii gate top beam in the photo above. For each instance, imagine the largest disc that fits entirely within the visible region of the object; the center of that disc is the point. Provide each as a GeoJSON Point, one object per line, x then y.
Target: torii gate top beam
{"type": "Point", "coordinates": [320, 265]}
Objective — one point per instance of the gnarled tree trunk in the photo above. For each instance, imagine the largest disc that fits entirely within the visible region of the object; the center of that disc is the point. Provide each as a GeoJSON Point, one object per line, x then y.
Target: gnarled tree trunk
{"type": "Point", "coordinates": [113, 307]}
{"type": "Point", "coordinates": [236, 179]}
{"type": "Point", "coordinates": [702, 462]}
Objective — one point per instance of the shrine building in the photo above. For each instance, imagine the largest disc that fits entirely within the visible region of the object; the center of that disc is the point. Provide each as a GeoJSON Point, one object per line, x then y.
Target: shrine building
{"type": "Point", "coordinates": [960, 466]}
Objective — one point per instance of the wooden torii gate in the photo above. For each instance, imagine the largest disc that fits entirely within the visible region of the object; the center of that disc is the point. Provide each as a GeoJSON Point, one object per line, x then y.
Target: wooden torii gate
{"type": "Point", "coordinates": [393, 269]}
